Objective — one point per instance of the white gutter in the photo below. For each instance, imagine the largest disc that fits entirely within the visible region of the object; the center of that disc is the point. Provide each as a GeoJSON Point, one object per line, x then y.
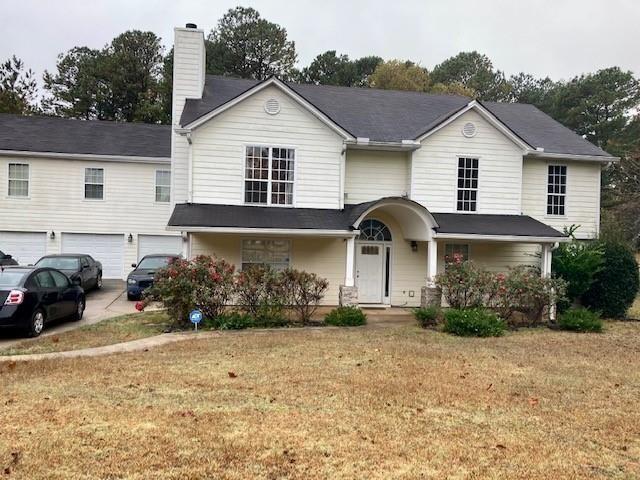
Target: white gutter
{"type": "Point", "coordinates": [499, 238]}
{"type": "Point", "coordinates": [311, 232]}
{"type": "Point", "coordinates": [403, 146]}
{"type": "Point", "coordinates": [566, 156]}
{"type": "Point", "coordinates": [85, 156]}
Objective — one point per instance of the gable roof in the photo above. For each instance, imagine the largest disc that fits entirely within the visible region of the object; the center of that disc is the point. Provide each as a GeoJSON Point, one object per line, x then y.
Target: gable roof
{"type": "Point", "coordinates": [91, 137]}
{"type": "Point", "coordinates": [393, 116]}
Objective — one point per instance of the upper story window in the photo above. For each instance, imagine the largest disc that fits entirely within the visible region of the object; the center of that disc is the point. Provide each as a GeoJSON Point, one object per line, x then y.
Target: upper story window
{"type": "Point", "coordinates": [18, 180]}
{"type": "Point", "coordinates": [269, 173]}
{"type": "Point", "coordinates": [467, 200]}
{"type": "Point", "coordinates": [272, 253]}
{"type": "Point", "coordinates": [556, 189]}
{"type": "Point", "coordinates": [94, 183]}
{"type": "Point", "coordinates": [163, 185]}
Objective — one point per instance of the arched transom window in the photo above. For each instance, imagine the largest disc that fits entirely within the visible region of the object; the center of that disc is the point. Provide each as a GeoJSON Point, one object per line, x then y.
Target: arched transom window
{"type": "Point", "coordinates": [374, 230]}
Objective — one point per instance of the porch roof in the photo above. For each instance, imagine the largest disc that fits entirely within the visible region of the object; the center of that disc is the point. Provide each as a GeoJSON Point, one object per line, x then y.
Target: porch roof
{"type": "Point", "coordinates": [212, 217]}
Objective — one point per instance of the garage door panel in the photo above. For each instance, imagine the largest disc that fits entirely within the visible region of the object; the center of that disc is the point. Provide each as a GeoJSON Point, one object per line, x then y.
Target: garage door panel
{"type": "Point", "coordinates": [150, 244]}
{"type": "Point", "coordinates": [108, 249]}
{"type": "Point", "coordinates": [25, 247]}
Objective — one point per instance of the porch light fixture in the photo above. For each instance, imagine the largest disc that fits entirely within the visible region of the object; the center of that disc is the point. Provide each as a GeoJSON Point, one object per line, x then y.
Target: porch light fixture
{"type": "Point", "coordinates": [130, 238]}
{"type": "Point", "coordinates": [52, 235]}
{"type": "Point", "coordinates": [414, 246]}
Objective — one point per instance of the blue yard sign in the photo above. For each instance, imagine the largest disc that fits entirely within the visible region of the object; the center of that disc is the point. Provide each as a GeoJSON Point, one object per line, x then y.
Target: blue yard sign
{"type": "Point", "coordinates": [196, 317]}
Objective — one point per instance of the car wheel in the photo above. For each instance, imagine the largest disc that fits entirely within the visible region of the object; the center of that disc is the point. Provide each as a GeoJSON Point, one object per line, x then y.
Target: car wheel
{"type": "Point", "coordinates": [36, 325]}
{"type": "Point", "coordinates": [80, 306]}
{"type": "Point", "coordinates": [99, 281]}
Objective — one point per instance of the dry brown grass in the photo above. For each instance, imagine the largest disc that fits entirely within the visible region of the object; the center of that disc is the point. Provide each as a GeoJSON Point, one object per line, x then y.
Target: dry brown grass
{"type": "Point", "coordinates": [120, 329]}
{"type": "Point", "coordinates": [375, 403]}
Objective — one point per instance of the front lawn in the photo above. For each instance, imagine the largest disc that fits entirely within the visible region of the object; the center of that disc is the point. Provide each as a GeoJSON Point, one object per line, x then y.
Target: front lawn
{"type": "Point", "coordinates": [120, 329]}
{"type": "Point", "coordinates": [397, 402]}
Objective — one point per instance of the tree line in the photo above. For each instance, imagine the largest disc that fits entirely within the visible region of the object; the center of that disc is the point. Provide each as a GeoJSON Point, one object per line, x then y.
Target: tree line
{"type": "Point", "coordinates": [130, 79]}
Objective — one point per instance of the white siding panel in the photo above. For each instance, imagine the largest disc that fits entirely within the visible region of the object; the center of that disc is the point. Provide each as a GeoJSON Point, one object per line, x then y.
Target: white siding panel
{"type": "Point", "coordinates": [434, 168]}
{"type": "Point", "coordinates": [25, 247]}
{"type": "Point", "coordinates": [219, 149]}
{"type": "Point", "coordinates": [582, 200]}
{"type": "Point", "coordinates": [374, 174]}
{"type": "Point", "coordinates": [107, 249]}
{"type": "Point", "coordinates": [153, 244]}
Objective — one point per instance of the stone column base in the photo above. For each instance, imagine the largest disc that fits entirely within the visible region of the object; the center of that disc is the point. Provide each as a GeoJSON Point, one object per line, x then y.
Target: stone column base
{"type": "Point", "coordinates": [348, 296]}
{"type": "Point", "coordinates": [430, 297]}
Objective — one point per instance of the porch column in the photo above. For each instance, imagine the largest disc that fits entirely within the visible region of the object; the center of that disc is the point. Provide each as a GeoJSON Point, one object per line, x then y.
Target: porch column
{"type": "Point", "coordinates": [545, 268]}
{"type": "Point", "coordinates": [349, 267]}
{"type": "Point", "coordinates": [432, 263]}
{"type": "Point", "coordinates": [348, 291]}
{"type": "Point", "coordinates": [431, 296]}
{"type": "Point", "coordinates": [186, 245]}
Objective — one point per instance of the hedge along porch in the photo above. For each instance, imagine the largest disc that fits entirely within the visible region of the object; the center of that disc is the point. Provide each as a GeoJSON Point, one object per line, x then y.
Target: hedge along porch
{"type": "Point", "coordinates": [385, 252]}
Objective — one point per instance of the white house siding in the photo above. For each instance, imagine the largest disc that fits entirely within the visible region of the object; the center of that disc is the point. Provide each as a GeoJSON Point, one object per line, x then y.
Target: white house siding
{"type": "Point", "coordinates": [374, 174]}
{"type": "Point", "coordinates": [188, 81]}
{"type": "Point", "coordinates": [219, 151]}
{"type": "Point", "coordinates": [323, 256]}
{"type": "Point", "coordinates": [582, 200]}
{"type": "Point", "coordinates": [56, 202]}
{"type": "Point", "coordinates": [435, 168]}
{"type": "Point", "coordinates": [495, 256]}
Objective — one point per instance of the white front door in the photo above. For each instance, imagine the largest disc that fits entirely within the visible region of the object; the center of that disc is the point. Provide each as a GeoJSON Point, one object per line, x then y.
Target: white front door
{"type": "Point", "coordinates": [369, 271]}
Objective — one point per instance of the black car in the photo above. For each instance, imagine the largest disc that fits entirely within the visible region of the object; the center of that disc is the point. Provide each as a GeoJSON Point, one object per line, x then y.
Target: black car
{"type": "Point", "coordinates": [30, 297]}
{"type": "Point", "coordinates": [142, 277]}
{"type": "Point", "coordinates": [81, 269]}
{"type": "Point", "coordinates": [7, 259]}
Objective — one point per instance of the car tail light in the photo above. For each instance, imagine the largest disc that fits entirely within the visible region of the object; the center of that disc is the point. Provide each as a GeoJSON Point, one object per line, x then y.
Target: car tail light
{"type": "Point", "coordinates": [15, 297]}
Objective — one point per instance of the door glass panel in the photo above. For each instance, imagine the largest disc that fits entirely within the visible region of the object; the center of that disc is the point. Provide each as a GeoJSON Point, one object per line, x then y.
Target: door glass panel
{"type": "Point", "coordinates": [369, 250]}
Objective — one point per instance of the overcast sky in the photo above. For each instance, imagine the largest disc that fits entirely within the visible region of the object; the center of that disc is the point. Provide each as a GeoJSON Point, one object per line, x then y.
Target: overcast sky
{"type": "Point", "coordinates": [558, 38]}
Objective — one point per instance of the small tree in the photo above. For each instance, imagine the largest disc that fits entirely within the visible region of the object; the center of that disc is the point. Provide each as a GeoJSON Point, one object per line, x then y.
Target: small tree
{"type": "Point", "coordinates": [465, 285]}
{"type": "Point", "coordinates": [304, 291]}
{"type": "Point", "coordinates": [616, 285]}
{"type": "Point", "coordinates": [259, 292]}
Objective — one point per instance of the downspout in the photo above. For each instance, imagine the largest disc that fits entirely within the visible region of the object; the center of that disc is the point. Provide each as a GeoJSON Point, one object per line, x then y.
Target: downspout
{"type": "Point", "coordinates": [552, 309]}
{"type": "Point", "coordinates": [190, 168]}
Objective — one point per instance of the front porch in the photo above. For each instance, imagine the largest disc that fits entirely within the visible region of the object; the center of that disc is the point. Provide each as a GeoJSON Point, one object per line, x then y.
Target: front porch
{"type": "Point", "coordinates": [377, 254]}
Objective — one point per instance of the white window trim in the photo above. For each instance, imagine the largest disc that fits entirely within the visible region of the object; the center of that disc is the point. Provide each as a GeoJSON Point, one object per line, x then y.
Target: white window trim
{"type": "Point", "coordinates": [84, 184]}
{"type": "Point", "coordinates": [155, 187]}
{"type": "Point", "coordinates": [245, 179]}
{"type": "Point", "coordinates": [19, 197]}
{"type": "Point", "coordinates": [455, 195]}
{"type": "Point", "coordinates": [546, 191]}
{"type": "Point", "coordinates": [265, 239]}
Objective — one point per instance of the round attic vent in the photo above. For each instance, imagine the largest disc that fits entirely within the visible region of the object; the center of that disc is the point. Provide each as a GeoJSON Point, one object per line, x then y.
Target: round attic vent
{"type": "Point", "coordinates": [272, 106]}
{"type": "Point", "coordinates": [469, 130]}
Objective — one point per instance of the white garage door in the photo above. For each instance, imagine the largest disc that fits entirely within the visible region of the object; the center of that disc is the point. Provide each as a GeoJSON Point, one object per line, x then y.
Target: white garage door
{"type": "Point", "coordinates": [25, 247]}
{"type": "Point", "coordinates": [150, 244]}
{"type": "Point", "coordinates": [107, 249]}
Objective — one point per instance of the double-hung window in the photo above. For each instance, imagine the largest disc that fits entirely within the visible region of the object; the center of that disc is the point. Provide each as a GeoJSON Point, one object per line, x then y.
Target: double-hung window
{"type": "Point", "coordinates": [163, 185]}
{"type": "Point", "coordinates": [94, 183]}
{"type": "Point", "coordinates": [556, 189]}
{"type": "Point", "coordinates": [18, 180]}
{"type": "Point", "coordinates": [269, 175]}
{"type": "Point", "coordinates": [467, 200]}
{"type": "Point", "coordinates": [273, 253]}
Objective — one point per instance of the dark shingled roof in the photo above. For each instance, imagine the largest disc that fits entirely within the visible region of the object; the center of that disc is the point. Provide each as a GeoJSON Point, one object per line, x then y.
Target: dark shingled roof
{"type": "Point", "coordinates": [392, 116]}
{"type": "Point", "coordinates": [63, 135]}
{"type": "Point", "coordinates": [200, 215]}
{"type": "Point", "coordinates": [485, 224]}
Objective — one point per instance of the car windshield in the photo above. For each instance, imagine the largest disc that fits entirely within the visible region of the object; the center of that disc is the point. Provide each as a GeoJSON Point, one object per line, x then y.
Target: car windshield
{"type": "Point", "coordinates": [61, 263]}
{"type": "Point", "coordinates": [153, 263]}
{"type": "Point", "coordinates": [11, 278]}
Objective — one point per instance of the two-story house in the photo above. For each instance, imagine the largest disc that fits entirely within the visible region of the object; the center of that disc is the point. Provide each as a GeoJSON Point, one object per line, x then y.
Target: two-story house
{"type": "Point", "coordinates": [370, 189]}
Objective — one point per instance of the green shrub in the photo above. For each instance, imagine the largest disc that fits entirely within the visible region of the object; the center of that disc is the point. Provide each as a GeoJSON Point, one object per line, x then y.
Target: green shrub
{"type": "Point", "coordinates": [473, 322]}
{"type": "Point", "coordinates": [346, 317]}
{"type": "Point", "coordinates": [577, 263]}
{"type": "Point", "coordinates": [616, 284]}
{"type": "Point", "coordinates": [426, 316]}
{"type": "Point", "coordinates": [229, 321]}
{"type": "Point", "coordinates": [580, 320]}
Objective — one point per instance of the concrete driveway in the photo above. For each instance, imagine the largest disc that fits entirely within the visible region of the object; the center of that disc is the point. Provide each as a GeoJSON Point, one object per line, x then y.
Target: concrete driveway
{"type": "Point", "coordinates": [109, 301]}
